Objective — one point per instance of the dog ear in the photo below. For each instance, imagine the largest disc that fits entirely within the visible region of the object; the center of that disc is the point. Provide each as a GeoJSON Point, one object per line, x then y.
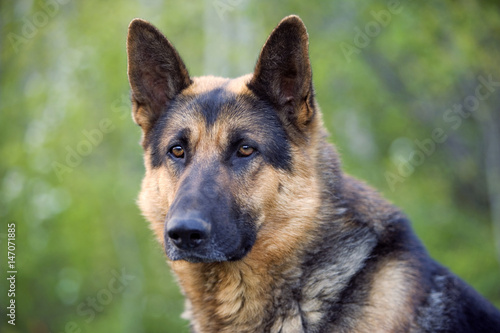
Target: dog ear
{"type": "Point", "coordinates": [283, 72]}
{"type": "Point", "coordinates": [155, 71]}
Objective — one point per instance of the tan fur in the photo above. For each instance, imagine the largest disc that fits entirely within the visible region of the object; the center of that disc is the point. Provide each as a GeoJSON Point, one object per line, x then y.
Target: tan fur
{"type": "Point", "coordinates": [390, 306]}
{"type": "Point", "coordinates": [324, 252]}
{"type": "Point", "coordinates": [204, 84]}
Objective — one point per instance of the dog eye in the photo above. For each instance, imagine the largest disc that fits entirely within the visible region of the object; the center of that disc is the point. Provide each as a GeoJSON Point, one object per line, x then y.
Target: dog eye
{"type": "Point", "coordinates": [177, 152]}
{"type": "Point", "coordinates": [245, 151]}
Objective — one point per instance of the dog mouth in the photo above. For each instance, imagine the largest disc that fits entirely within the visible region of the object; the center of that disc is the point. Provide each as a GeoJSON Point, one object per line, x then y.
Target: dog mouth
{"type": "Point", "coordinates": [197, 258]}
{"type": "Point", "coordinates": [206, 255]}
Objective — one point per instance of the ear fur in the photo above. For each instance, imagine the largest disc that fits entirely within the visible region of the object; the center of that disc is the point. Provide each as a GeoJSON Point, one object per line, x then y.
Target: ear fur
{"type": "Point", "coordinates": [283, 72]}
{"type": "Point", "coordinates": [155, 70]}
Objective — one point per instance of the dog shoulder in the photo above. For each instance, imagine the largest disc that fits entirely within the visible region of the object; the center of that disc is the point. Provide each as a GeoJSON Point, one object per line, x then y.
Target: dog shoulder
{"type": "Point", "coordinates": [453, 306]}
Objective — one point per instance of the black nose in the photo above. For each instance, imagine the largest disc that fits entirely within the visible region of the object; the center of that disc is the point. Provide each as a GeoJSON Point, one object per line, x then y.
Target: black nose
{"type": "Point", "coordinates": [187, 233]}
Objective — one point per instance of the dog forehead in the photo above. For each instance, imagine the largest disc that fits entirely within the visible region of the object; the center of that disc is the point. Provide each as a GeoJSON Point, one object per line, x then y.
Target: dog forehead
{"type": "Point", "coordinates": [204, 84]}
{"type": "Point", "coordinates": [216, 102]}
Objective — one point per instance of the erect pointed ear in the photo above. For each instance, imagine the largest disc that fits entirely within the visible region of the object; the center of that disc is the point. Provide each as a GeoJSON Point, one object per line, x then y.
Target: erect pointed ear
{"type": "Point", "coordinates": [283, 72]}
{"type": "Point", "coordinates": [155, 71]}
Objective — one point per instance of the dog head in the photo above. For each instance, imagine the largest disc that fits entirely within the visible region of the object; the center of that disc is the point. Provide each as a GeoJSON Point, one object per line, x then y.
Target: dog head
{"type": "Point", "coordinates": [229, 162]}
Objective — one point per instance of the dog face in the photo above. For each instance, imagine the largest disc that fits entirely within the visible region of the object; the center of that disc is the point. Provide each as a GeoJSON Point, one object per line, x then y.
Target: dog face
{"type": "Point", "coordinates": [212, 147]}
{"type": "Point", "coordinates": [226, 159]}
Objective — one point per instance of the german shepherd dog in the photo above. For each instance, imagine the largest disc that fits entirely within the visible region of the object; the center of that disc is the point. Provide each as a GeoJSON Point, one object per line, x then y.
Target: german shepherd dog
{"type": "Point", "coordinates": [263, 230]}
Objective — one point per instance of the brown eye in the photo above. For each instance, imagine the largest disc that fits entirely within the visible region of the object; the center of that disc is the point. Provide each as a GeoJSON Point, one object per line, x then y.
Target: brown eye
{"type": "Point", "coordinates": [245, 151]}
{"type": "Point", "coordinates": [177, 151]}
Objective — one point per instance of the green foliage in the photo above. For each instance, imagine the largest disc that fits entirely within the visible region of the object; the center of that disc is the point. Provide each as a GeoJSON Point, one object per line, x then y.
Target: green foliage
{"type": "Point", "coordinates": [71, 165]}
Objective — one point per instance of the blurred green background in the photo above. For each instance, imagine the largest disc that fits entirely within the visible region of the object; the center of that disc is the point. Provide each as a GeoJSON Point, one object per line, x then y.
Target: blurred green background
{"type": "Point", "coordinates": [410, 92]}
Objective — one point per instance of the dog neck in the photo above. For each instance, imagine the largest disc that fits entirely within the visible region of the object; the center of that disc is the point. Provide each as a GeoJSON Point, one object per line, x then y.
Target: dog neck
{"type": "Point", "coordinates": [232, 296]}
